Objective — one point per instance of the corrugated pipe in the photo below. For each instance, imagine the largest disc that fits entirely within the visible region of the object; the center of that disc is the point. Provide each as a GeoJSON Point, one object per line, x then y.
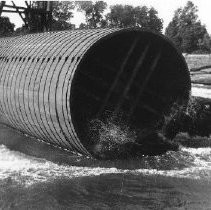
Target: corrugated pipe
{"type": "Point", "coordinates": [53, 84]}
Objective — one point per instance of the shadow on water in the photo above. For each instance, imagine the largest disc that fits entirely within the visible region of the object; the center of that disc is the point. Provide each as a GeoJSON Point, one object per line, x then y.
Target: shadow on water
{"type": "Point", "coordinates": [18, 142]}
{"type": "Point", "coordinates": [110, 191]}
{"type": "Point", "coordinates": [21, 143]}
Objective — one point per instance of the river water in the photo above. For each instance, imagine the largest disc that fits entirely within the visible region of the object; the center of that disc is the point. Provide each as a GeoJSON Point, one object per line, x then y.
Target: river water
{"type": "Point", "coordinates": [34, 175]}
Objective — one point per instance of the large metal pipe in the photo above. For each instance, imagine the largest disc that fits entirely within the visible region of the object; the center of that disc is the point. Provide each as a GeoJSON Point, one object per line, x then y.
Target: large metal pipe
{"type": "Point", "coordinates": [53, 84]}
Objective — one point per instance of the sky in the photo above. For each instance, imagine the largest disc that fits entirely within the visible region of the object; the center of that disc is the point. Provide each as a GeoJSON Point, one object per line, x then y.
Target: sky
{"type": "Point", "coordinates": [165, 10]}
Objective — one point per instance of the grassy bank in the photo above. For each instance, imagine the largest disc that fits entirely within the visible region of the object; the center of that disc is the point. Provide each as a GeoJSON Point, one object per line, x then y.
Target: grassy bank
{"type": "Point", "coordinates": [195, 61]}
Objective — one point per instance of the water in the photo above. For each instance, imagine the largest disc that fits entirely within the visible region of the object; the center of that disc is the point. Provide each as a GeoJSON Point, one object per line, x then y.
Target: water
{"type": "Point", "coordinates": [34, 175]}
{"type": "Point", "coordinates": [201, 90]}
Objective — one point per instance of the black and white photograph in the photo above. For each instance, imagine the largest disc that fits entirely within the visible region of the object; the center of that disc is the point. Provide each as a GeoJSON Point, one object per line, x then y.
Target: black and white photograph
{"type": "Point", "coordinates": [105, 105]}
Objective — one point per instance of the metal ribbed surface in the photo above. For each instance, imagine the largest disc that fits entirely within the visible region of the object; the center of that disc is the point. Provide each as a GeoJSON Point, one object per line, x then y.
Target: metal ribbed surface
{"type": "Point", "coordinates": [53, 85]}
{"type": "Point", "coordinates": [35, 80]}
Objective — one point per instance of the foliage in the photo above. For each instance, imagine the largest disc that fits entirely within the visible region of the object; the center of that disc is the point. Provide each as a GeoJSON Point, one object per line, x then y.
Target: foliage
{"type": "Point", "coordinates": [83, 26]}
{"type": "Point", "coordinates": [205, 44]}
{"type": "Point", "coordinates": [129, 16]}
{"type": "Point", "coordinates": [62, 10]}
{"type": "Point", "coordinates": [6, 27]}
{"type": "Point", "coordinates": [121, 16]}
{"type": "Point", "coordinates": [93, 12]}
{"type": "Point", "coordinates": [186, 31]}
{"type": "Point", "coordinates": [21, 31]}
{"type": "Point", "coordinates": [62, 13]}
{"type": "Point", "coordinates": [58, 25]}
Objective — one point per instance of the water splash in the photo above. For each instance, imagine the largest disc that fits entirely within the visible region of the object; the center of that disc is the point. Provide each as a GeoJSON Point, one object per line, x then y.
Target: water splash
{"type": "Point", "coordinates": [109, 137]}
{"type": "Point", "coordinates": [195, 119]}
{"type": "Point", "coordinates": [27, 170]}
{"type": "Point", "coordinates": [112, 133]}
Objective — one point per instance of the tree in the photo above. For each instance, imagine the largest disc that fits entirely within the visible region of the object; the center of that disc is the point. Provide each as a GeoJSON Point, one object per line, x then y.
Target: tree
{"type": "Point", "coordinates": [21, 31]}
{"type": "Point", "coordinates": [129, 16]}
{"type": "Point", "coordinates": [83, 26]}
{"type": "Point", "coordinates": [62, 13]}
{"type": "Point", "coordinates": [93, 12]}
{"type": "Point", "coordinates": [205, 44]}
{"type": "Point", "coordinates": [121, 16]}
{"type": "Point", "coordinates": [6, 27]}
{"type": "Point", "coordinates": [154, 23]}
{"type": "Point", "coordinates": [185, 30]}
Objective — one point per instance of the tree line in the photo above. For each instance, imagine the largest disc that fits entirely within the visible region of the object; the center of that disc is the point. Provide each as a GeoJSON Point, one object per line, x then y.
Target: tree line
{"type": "Point", "coordinates": [187, 32]}
{"type": "Point", "coordinates": [185, 29]}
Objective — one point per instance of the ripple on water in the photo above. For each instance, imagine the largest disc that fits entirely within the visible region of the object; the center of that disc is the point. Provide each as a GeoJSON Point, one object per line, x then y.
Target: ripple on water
{"type": "Point", "coordinates": [27, 170]}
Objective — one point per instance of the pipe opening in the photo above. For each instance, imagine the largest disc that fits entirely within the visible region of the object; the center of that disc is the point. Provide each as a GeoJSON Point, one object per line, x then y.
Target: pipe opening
{"type": "Point", "coordinates": [133, 75]}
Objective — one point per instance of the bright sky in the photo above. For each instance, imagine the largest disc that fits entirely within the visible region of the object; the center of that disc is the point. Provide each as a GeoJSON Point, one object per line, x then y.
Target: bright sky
{"type": "Point", "coordinates": [165, 10]}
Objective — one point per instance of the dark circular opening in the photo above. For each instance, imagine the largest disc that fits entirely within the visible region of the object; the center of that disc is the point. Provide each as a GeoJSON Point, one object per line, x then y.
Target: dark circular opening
{"type": "Point", "coordinates": [133, 73]}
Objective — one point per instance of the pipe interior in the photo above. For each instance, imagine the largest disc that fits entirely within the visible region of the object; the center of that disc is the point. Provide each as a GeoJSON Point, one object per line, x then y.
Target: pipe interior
{"type": "Point", "coordinates": [135, 74]}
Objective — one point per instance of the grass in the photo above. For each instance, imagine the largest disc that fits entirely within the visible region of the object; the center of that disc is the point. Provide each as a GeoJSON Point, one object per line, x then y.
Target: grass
{"type": "Point", "coordinates": [195, 61]}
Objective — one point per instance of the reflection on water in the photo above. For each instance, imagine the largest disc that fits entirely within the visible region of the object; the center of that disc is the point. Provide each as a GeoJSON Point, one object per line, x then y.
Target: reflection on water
{"type": "Point", "coordinates": [34, 175]}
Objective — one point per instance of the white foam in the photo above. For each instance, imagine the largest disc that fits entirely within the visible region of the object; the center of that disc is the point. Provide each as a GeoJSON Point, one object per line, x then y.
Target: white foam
{"type": "Point", "coordinates": [29, 170]}
{"type": "Point", "coordinates": [198, 169]}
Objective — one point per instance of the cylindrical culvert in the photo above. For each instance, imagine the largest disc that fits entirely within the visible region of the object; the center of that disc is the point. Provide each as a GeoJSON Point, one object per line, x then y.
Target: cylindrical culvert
{"type": "Point", "coordinates": [54, 84]}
